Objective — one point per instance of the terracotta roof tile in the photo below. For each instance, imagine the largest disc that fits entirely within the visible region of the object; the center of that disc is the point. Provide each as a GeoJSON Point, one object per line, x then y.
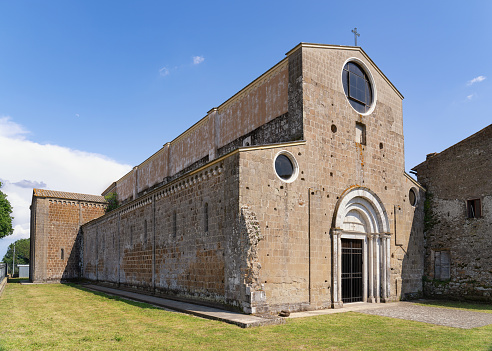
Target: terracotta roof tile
{"type": "Point", "coordinates": [68, 196]}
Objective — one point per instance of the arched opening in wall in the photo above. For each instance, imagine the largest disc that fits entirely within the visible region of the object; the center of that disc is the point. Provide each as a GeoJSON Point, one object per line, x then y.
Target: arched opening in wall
{"type": "Point", "coordinates": [361, 248]}
{"type": "Point", "coordinates": [205, 215]}
{"type": "Point", "coordinates": [352, 272]}
{"type": "Point", "coordinates": [62, 254]}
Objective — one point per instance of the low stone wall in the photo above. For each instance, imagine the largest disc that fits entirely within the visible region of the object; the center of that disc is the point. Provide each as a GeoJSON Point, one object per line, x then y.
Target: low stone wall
{"type": "Point", "coordinates": [3, 283]}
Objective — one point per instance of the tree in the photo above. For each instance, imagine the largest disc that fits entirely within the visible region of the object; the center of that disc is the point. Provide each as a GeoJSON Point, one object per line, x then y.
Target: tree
{"type": "Point", "coordinates": [22, 253]}
{"type": "Point", "coordinates": [112, 200]}
{"type": "Point", "coordinates": [5, 215]}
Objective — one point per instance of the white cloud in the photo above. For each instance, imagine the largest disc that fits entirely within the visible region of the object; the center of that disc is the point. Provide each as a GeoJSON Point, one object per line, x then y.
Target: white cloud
{"type": "Point", "coordinates": [469, 97]}
{"type": "Point", "coordinates": [476, 80]}
{"type": "Point", "coordinates": [11, 129]}
{"type": "Point", "coordinates": [50, 166]}
{"type": "Point", "coordinates": [163, 71]}
{"type": "Point", "coordinates": [198, 59]}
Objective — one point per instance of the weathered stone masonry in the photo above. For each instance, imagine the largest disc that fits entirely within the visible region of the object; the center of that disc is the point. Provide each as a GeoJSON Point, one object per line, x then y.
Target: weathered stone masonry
{"type": "Point", "coordinates": [56, 218]}
{"type": "Point", "coordinates": [208, 218]}
{"type": "Point", "coordinates": [458, 252]}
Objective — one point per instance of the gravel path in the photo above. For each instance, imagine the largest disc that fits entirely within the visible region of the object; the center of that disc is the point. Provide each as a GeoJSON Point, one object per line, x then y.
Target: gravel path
{"type": "Point", "coordinates": [434, 315]}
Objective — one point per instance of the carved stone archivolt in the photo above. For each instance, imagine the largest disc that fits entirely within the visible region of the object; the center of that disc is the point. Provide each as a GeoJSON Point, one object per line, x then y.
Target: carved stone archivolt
{"type": "Point", "coordinates": [361, 215]}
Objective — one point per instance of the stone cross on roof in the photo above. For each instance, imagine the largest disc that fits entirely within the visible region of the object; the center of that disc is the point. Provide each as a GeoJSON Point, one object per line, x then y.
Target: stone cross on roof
{"type": "Point", "coordinates": [355, 35]}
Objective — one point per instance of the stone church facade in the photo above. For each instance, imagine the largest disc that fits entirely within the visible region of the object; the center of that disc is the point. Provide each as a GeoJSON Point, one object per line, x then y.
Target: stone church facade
{"type": "Point", "coordinates": [459, 219]}
{"type": "Point", "coordinates": [290, 195]}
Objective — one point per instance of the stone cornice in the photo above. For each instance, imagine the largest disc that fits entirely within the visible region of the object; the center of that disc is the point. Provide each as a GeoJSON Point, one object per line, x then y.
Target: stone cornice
{"type": "Point", "coordinates": [417, 184]}
{"type": "Point", "coordinates": [76, 203]}
{"type": "Point", "coordinates": [209, 170]}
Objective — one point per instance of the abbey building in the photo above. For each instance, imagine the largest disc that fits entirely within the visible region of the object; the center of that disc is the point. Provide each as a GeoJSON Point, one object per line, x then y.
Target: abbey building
{"type": "Point", "coordinates": [292, 194]}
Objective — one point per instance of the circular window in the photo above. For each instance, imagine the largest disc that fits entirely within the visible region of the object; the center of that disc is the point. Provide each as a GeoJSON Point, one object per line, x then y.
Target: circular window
{"type": "Point", "coordinates": [358, 87]}
{"type": "Point", "coordinates": [412, 197]}
{"type": "Point", "coordinates": [286, 166]}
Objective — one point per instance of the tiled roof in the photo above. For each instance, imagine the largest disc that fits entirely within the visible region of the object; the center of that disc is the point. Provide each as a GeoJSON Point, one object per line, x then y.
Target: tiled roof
{"type": "Point", "coordinates": [68, 196]}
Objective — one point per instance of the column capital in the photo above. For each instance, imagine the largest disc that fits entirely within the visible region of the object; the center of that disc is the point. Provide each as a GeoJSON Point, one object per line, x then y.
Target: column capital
{"type": "Point", "coordinates": [336, 232]}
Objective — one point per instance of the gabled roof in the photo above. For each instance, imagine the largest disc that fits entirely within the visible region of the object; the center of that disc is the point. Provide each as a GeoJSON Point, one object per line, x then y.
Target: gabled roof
{"type": "Point", "coordinates": [67, 196]}
{"type": "Point", "coordinates": [351, 48]}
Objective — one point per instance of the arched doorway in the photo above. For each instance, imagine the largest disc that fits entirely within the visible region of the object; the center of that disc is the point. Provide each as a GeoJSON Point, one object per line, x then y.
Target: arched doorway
{"type": "Point", "coordinates": [360, 248]}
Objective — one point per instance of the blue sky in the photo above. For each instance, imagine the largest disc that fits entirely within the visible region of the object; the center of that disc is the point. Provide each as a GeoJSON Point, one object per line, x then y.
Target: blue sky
{"type": "Point", "coordinates": [107, 83]}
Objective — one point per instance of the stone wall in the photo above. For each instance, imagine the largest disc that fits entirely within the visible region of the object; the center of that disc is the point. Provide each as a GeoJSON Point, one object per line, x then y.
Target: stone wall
{"type": "Point", "coordinates": [337, 162]}
{"type": "Point", "coordinates": [452, 177]}
{"type": "Point", "coordinates": [184, 239]}
{"type": "Point", "coordinates": [282, 210]}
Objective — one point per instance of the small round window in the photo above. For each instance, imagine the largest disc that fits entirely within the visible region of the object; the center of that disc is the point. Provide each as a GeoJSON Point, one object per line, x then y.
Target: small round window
{"type": "Point", "coordinates": [285, 166]}
{"type": "Point", "coordinates": [358, 87]}
{"type": "Point", "coordinates": [412, 197]}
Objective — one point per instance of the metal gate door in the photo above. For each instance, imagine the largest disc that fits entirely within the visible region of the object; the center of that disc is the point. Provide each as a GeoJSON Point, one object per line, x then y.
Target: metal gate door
{"type": "Point", "coordinates": [351, 270]}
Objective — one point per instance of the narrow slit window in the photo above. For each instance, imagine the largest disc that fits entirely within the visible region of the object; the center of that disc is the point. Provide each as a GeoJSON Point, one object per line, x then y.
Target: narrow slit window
{"type": "Point", "coordinates": [175, 225]}
{"type": "Point", "coordinates": [206, 217]}
{"type": "Point", "coordinates": [145, 231]}
{"type": "Point", "coordinates": [62, 254]}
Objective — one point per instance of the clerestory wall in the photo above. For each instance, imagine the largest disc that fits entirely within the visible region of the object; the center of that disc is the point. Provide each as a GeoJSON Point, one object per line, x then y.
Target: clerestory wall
{"type": "Point", "coordinates": [263, 102]}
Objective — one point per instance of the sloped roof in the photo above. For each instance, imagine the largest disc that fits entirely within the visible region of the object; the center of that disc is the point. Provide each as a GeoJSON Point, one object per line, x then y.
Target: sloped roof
{"type": "Point", "coordinates": [68, 196]}
{"type": "Point", "coordinates": [478, 134]}
{"type": "Point", "coordinates": [345, 47]}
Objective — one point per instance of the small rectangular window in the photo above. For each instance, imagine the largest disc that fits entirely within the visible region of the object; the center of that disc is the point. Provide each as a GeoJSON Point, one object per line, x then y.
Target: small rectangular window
{"type": "Point", "coordinates": [442, 265]}
{"type": "Point", "coordinates": [474, 208]}
{"type": "Point", "coordinates": [360, 133]}
{"type": "Point", "coordinates": [62, 254]}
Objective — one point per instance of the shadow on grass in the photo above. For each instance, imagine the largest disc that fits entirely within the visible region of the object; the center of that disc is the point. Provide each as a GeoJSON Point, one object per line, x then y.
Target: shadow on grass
{"type": "Point", "coordinates": [115, 298]}
{"type": "Point", "coordinates": [474, 306]}
{"type": "Point", "coordinates": [17, 280]}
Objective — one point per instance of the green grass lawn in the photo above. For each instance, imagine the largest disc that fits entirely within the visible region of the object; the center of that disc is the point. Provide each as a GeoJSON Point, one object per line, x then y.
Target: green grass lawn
{"type": "Point", "coordinates": [67, 317]}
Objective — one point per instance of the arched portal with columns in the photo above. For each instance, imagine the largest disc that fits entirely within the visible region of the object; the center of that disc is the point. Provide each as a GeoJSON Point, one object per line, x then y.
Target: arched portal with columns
{"type": "Point", "coordinates": [360, 248]}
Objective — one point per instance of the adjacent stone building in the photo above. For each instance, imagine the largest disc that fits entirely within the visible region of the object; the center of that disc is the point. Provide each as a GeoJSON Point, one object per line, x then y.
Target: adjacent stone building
{"type": "Point", "coordinates": [56, 218]}
{"type": "Point", "coordinates": [458, 252]}
{"type": "Point", "coordinates": [290, 195]}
